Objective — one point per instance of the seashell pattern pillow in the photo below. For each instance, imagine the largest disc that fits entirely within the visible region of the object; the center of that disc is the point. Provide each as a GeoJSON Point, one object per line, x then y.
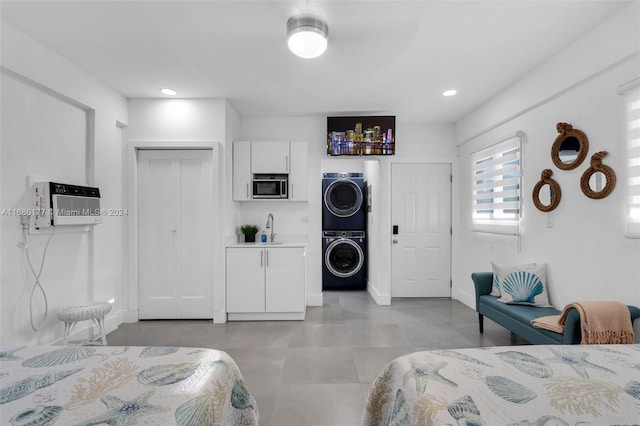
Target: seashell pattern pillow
{"type": "Point", "coordinates": [526, 286]}
{"type": "Point", "coordinates": [499, 274]}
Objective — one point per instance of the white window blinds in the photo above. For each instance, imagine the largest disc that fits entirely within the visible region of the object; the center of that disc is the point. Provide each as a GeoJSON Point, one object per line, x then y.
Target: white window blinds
{"type": "Point", "coordinates": [632, 101]}
{"type": "Point", "coordinates": [496, 185]}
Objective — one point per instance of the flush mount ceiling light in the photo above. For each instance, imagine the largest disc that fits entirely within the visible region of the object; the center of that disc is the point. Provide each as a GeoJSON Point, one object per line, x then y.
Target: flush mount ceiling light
{"type": "Point", "coordinates": [307, 36]}
{"type": "Point", "coordinates": [449, 92]}
{"type": "Point", "coordinates": [167, 91]}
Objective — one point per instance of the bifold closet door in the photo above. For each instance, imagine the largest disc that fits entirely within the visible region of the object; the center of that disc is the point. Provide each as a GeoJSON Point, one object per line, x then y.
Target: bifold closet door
{"type": "Point", "coordinates": [175, 207]}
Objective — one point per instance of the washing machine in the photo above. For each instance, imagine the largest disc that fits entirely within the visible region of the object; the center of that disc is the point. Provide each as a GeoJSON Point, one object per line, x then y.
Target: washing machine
{"type": "Point", "coordinates": [344, 202]}
{"type": "Point", "coordinates": [344, 260]}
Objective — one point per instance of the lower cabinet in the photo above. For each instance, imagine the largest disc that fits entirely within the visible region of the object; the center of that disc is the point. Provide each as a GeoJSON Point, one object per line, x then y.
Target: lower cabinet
{"type": "Point", "coordinates": [265, 283]}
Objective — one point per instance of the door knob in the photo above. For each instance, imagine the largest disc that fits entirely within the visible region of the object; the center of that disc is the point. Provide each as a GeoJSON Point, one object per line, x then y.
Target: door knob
{"type": "Point", "coordinates": [395, 241]}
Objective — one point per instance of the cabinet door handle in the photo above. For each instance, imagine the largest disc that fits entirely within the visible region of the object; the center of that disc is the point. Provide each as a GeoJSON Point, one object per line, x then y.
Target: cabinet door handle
{"type": "Point", "coordinates": [286, 163]}
{"type": "Point", "coordinates": [261, 259]}
{"type": "Point", "coordinates": [247, 191]}
{"type": "Point", "coordinates": [292, 196]}
{"type": "Point", "coordinates": [267, 258]}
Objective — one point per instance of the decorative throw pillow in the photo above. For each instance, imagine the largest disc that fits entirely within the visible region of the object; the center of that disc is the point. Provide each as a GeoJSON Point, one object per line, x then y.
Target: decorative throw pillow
{"type": "Point", "coordinates": [495, 288]}
{"type": "Point", "coordinates": [499, 274]}
{"type": "Point", "coordinates": [525, 286]}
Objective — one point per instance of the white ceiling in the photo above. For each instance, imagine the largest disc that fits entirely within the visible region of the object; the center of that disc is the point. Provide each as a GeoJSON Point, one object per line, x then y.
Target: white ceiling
{"type": "Point", "coordinates": [384, 57]}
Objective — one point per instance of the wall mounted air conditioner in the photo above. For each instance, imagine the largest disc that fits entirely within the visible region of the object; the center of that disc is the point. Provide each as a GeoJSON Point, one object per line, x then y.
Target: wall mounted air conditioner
{"type": "Point", "coordinates": [63, 204]}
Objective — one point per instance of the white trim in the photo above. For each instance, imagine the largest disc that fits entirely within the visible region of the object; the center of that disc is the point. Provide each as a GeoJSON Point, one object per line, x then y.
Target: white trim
{"type": "Point", "coordinates": [379, 298]}
{"type": "Point", "coordinates": [314, 299]}
{"type": "Point", "coordinates": [464, 297]}
{"type": "Point", "coordinates": [453, 163]}
{"type": "Point", "coordinates": [266, 316]}
{"type": "Point", "coordinates": [219, 316]}
{"type": "Point", "coordinates": [627, 87]}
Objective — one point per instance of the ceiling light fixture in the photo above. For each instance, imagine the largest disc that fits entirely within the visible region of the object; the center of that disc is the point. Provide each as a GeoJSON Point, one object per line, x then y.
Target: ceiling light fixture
{"type": "Point", "coordinates": [169, 92]}
{"type": "Point", "coordinates": [307, 36]}
{"type": "Point", "coordinates": [449, 92]}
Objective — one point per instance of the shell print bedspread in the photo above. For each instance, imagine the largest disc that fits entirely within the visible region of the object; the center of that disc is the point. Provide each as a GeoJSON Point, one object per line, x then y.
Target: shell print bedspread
{"type": "Point", "coordinates": [91, 385]}
{"type": "Point", "coordinates": [511, 385]}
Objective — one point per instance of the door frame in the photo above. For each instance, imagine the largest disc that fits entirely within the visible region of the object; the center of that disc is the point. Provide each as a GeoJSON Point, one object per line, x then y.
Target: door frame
{"type": "Point", "coordinates": [424, 167]}
{"type": "Point", "coordinates": [217, 262]}
{"type": "Point", "coordinates": [382, 293]}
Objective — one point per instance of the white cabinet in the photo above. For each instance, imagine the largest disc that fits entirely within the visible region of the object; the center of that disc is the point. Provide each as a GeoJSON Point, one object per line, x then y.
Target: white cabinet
{"type": "Point", "coordinates": [290, 158]}
{"type": "Point", "coordinates": [265, 283]}
{"type": "Point", "coordinates": [270, 157]}
{"type": "Point", "coordinates": [242, 171]}
{"type": "Point", "coordinates": [285, 279]}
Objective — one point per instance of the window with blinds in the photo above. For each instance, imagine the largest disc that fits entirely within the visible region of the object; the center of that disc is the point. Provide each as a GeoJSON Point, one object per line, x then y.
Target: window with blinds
{"type": "Point", "coordinates": [632, 95]}
{"type": "Point", "coordinates": [496, 186]}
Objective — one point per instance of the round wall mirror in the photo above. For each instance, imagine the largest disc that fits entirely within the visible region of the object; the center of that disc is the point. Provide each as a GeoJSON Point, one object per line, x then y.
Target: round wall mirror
{"type": "Point", "coordinates": [598, 180]}
{"type": "Point", "coordinates": [546, 193]}
{"type": "Point", "coordinates": [570, 147]}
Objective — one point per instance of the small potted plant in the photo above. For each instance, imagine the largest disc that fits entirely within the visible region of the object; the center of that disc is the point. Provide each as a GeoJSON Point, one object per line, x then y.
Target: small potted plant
{"type": "Point", "coordinates": [249, 232]}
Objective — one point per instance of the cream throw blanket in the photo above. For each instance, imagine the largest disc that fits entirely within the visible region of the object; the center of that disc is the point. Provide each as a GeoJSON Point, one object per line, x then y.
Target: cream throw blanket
{"type": "Point", "coordinates": [600, 322]}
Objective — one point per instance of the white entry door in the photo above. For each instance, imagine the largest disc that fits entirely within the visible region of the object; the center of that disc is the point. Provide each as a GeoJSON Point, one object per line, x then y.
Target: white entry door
{"type": "Point", "coordinates": [175, 250]}
{"type": "Point", "coordinates": [421, 219]}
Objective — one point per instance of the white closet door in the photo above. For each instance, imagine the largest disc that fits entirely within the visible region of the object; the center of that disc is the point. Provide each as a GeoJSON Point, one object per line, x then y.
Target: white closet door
{"type": "Point", "coordinates": [175, 207]}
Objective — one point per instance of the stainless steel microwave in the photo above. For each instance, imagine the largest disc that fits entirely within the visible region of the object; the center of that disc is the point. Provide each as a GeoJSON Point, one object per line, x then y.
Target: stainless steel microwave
{"type": "Point", "coordinates": [270, 186]}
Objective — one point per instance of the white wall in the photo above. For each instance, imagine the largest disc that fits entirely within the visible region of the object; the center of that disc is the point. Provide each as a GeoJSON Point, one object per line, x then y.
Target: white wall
{"type": "Point", "coordinates": [58, 122]}
{"type": "Point", "coordinates": [415, 142]}
{"type": "Point", "coordinates": [587, 255]}
{"type": "Point", "coordinates": [177, 123]}
{"type": "Point", "coordinates": [374, 245]}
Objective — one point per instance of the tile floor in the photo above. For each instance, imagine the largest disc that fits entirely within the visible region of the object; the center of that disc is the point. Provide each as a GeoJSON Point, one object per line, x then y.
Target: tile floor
{"type": "Point", "coordinates": [317, 371]}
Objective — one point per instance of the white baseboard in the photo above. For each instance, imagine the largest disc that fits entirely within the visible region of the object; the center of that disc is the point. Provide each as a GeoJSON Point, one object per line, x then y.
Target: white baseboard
{"type": "Point", "coordinates": [129, 316]}
{"type": "Point", "coordinates": [314, 299]}
{"type": "Point", "coordinates": [380, 298]}
{"type": "Point", "coordinates": [465, 297]}
{"type": "Point", "coordinates": [267, 316]}
{"type": "Point", "coordinates": [219, 317]}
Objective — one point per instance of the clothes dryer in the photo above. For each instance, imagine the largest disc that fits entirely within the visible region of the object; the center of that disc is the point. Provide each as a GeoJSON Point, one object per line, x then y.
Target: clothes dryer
{"type": "Point", "coordinates": [344, 202]}
{"type": "Point", "coordinates": [344, 260]}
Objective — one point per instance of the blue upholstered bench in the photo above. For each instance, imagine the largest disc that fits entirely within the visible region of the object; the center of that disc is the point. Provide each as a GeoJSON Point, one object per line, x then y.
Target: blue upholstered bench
{"type": "Point", "coordinates": [517, 318]}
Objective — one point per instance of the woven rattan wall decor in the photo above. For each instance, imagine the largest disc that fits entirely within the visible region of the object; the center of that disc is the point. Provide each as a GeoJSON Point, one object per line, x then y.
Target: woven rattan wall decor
{"type": "Point", "coordinates": [570, 147]}
{"type": "Point", "coordinates": [591, 182]}
{"type": "Point", "coordinates": [555, 194]}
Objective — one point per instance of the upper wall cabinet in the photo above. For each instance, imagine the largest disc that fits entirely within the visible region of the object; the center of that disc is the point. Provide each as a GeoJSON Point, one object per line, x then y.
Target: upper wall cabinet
{"type": "Point", "coordinates": [288, 158]}
{"type": "Point", "coordinates": [270, 157]}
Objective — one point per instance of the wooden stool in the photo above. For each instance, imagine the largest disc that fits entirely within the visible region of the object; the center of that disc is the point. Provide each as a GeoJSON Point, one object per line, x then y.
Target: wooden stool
{"type": "Point", "coordinates": [94, 311]}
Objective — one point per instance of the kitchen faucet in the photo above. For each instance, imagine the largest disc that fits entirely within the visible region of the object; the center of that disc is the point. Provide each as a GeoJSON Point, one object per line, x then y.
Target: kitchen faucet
{"type": "Point", "coordinates": [270, 225]}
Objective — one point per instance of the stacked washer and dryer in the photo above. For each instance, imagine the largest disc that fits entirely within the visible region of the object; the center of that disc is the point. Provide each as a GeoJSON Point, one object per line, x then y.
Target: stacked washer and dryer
{"type": "Point", "coordinates": [344, 220]}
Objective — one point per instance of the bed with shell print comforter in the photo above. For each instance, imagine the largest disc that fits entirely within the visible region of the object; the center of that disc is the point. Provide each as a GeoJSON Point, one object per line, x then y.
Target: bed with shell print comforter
{"type": "Point", "coordinates": [90, 385]}
{"type": "Point", "coordinates": [509, 385]}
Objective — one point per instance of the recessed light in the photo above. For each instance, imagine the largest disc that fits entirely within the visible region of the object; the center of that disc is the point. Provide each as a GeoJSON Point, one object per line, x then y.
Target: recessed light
{"type": "Point", "coordinates": [449, 92]}
{"type": "Point", "coordinates": [169, 92]}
